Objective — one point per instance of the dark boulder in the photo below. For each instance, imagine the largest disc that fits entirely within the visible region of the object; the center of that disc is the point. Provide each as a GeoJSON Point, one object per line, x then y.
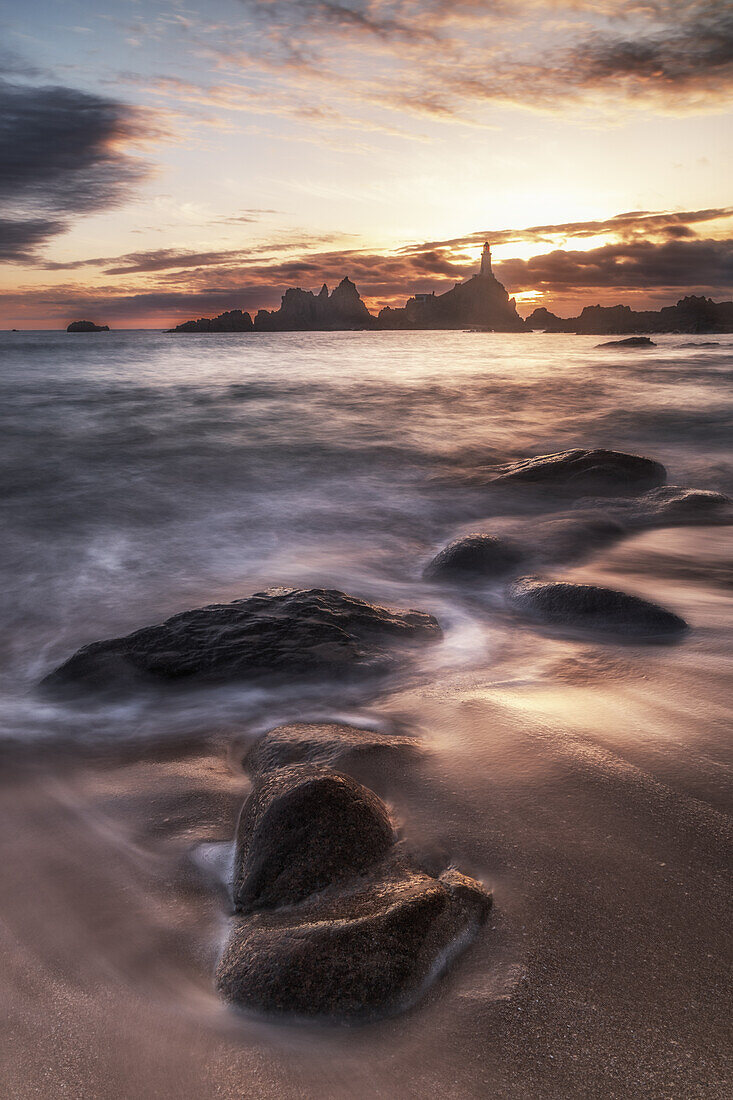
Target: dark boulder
{"type": "Point", "coordinates": [357, 954]}
{"type": "Point", "coordinates": [474, 558]}
{"type": "Point", "coordinates": [591, 607]}
{"type": "Point", "coordinates": [579, 471]}
{"type": "Point", "coordinates": [303, 829]}
{"type": "Point", "coordinates": [279, 632]}
{"type": "Point", "coordinates": [629, 342]}
{"type": "Point", "coordinates": [86, 326]}
{"type": "Point", "coordinates": [323, 744]}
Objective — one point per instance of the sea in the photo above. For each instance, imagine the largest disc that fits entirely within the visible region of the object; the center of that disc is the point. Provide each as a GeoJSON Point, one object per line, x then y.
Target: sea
{"type": "Point", "coordinates": [146, 473]}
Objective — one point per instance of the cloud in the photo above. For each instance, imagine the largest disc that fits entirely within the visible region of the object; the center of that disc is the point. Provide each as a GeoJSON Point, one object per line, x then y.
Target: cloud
{"type": "Point", "coordinates": [446, 58]}
{"type": "Point", "coordinates": [20, 239]}
{"type": "Point", "coordinates": [63, 153]}
{"type": "Point", "coordinates": [635, 265]}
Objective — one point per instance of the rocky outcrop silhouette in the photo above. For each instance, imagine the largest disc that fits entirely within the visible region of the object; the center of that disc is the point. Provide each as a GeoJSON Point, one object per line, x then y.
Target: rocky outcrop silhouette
{"type": "Point", "coordinates": [232, 321]}
{"type": "Point", "coordinates": [86, 326]}
{"type": "Point", "coordinates": [303, 310]}
{"type": "Point", "coordinates": [690, 314]}
{"type": "Point", "coordinates": [481, 302]}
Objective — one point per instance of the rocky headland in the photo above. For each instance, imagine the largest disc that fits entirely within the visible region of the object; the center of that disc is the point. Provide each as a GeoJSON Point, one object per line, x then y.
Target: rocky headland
{"type": "Point", "coordinates": [480, 302]}
{"type": "Point", "coordinates": [691, 314]}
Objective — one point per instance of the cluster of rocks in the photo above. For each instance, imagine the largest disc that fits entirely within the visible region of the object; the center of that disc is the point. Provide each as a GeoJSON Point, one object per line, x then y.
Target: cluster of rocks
{"type": "Point", "coordinates": [300, 311]}
{"type": "Point", "coordinates": [481, 558]}
{"type": "Point", "coordinates": [691, 314]}
{"type": "Point", "coordinates": [331, 918]}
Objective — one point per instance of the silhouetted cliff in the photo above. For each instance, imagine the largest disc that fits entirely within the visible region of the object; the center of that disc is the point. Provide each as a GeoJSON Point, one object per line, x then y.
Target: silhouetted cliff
{"type": "Point", "coordinates": [691, 314]}
{"type": "Point", "coordinates": [302, 309]}
{"type": "Point", "coordinates": [480, 302]}
{"type": "Point", "coordinates": [233, 321]}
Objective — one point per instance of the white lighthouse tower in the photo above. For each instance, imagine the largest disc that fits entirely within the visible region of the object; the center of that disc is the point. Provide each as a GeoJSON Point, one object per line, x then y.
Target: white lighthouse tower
{"type": "Point", "coordinates": [486, 260]}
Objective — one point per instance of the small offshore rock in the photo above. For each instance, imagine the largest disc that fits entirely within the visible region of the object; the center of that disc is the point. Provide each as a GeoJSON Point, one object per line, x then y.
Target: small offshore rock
{"type": "Point", "coordinates": [86, 326]}
{"type": "Point", "coordinates": [324, 744]}
{"type": "Point", "coordinates": [580, 471]}
{"type": "Point", "coordinates": [278, 632]}
{"type": "Point", "coordinates": [303, 829]}
{"type": "Point", "coordinates": [357, 954]}
{"type": "Point", "coordinates": [629, 342]}
{"type": "Point", "coordinates": [474, 557]}
{"type": "Point", "coordinates": [592, 607]}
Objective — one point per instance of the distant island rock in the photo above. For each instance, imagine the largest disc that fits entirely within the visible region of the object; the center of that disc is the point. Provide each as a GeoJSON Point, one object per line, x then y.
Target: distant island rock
{"type": "Point", "coordinates": [690, 315]}
{"type": "Point", "coordinates": [480, 302]}
{"type": "Point", "coordinates": [86, 326]}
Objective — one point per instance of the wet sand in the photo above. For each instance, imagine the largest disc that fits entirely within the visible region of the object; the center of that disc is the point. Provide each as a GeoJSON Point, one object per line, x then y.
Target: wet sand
{"type": "Point", "coordinates": [586, 784]}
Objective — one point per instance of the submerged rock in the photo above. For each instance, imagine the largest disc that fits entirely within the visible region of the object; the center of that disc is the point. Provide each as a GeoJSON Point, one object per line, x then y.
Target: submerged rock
{"type": "Point", "coordinates": [592, 607]}
{"type": "Point", "coordinates": [303, 829]}
{"type": "Point", "coordinates": [629, 342]}
{"type": "Point", "coordinates": [580, 471]}
{"type": "Point", "coordinates": [322, 744]}
{"type": "Point", "coordinates": [474, 557]}
{"type": "Point", "coordinates": [282, 631]}
{"type": "Point", "coordinates": [670, 505]}
{"type": "Point", "coordinates": [357, 954]}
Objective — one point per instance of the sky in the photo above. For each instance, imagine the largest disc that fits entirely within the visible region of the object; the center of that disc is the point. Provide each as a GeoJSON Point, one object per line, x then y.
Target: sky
{"type": "Point", "coordinates": [162, 160]}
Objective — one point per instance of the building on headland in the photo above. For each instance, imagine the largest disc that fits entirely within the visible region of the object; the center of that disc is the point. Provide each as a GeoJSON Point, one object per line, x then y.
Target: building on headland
{"type": "Point", "coordinates": [481, 302]}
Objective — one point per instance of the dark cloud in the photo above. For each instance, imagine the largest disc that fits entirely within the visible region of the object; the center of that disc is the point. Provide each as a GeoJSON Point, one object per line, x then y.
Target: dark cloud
{"type": "Point", "coordinates": [634, 265]}
{"type": "Point", "coordinates": [20, 239]}
{"type": "Point", "coordinates": [62, 154]}
{"type": "Point", "coordinates": [695, 49]}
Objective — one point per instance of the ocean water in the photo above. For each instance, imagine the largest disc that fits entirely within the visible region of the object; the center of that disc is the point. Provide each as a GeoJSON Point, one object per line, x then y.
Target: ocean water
{"type": "Point", "coordinates": [145, 473]}
{"type": "Point", "coordinates": [585, 781]}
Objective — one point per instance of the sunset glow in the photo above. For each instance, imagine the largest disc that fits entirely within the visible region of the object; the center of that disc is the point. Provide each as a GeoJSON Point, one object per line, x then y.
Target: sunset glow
{"type": "Point", "coordinates": [165, 160]}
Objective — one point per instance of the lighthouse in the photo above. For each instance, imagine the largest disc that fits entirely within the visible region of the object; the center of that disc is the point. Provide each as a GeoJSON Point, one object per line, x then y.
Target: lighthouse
{"type": "Point", "coordinates": [486, 260]}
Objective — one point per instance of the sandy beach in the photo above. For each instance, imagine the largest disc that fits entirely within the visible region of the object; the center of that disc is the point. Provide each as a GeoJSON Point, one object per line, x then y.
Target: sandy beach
{"type": "Point", "coordinates": [584, 783]}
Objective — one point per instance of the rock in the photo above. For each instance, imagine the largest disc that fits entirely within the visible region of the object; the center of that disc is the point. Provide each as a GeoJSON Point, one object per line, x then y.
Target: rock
{"type": "Point", "coordinates": [591, 607]}
{"type": "Point", "coordinates": [358, 954]}
{"type": "Point", "coordinates": [630, 342]}
{"type": "Point", "coordinates": [302, 310]}
{"type": "Point", "coordinates": [691, 314]}
{"type": "Point", "coordinates": [303, 829]}
{"type": "Point", "coordinates": [667, 505]}
{"type": "Point", "coordinates": [474, 558]}
{"type": "Point", "coordinates": [86, 326]}
{"type": "Point", "coordinates": [323, 744]}
{"type": "Point", "coordinates": [578, 471]}
{"type": "Point", "coordinates": [234, 320]}
{"type": "Point", "coordinates": [279, 632]}
{"type": "Point", "coordinates": [480, 302]}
